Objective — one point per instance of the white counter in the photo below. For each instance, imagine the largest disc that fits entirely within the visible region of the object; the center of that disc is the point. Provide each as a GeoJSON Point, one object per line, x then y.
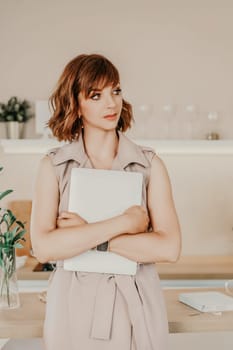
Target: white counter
{"type": "Point", "coordinates": [205, 147]}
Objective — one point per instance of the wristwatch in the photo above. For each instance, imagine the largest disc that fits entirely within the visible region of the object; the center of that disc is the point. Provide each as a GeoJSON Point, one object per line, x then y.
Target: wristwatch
{"type": "Point", "coordinates": [103, 247]}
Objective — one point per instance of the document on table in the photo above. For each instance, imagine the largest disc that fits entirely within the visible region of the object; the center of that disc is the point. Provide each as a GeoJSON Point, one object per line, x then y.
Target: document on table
{"type": "Point", "coordinates": [209, 301]}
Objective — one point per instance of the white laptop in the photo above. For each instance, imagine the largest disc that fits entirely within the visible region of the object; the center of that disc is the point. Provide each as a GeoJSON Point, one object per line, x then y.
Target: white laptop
{"type": "Point", "coordinates": [209, 301]}
{"type": "Point", "coordinates": [96, 195]}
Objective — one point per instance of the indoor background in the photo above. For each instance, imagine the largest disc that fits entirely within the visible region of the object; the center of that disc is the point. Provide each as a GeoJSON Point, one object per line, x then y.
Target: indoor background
{"type": "Point", "coordinates": [175, 57]}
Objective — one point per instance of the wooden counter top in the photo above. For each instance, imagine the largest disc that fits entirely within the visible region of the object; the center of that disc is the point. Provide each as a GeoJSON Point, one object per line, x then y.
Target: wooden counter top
{"type": "Point", "coordinates": [184, 319]}
{"type": "Point", "coordinates": [188, 267]}
{"type": "Point", "coordinates": [26, 272]}
{"type": "Point", "coordinates": [198, 267]}
{"type": "Point", "coordinates": [27, 321]}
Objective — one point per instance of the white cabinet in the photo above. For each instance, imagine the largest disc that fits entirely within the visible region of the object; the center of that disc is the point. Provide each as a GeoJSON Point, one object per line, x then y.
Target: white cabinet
{"type": "Point", "coordinates": [203, 191]}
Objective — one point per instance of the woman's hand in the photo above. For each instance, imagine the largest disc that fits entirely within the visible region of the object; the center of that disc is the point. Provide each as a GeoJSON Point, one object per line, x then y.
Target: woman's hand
{"type": "Point", "coordinates": [138, 219]}
{"type": "Point", "coordinates": [68, 219]}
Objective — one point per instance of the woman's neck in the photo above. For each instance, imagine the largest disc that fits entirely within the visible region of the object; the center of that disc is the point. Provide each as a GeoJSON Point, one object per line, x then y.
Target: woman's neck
{"type": "Point", "coordinates": [101, 147]}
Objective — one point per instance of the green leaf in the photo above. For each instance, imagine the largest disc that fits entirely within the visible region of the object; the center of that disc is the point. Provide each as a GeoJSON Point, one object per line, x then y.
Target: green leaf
{"type": "Point", "coordinates": [11, 217]}
{"type": "Point", "coordinates": [4, 220]}
{"type": "Point", "coordinates": [21, 224]}
{"type": "Point", "coordinates": [18, 245]}
{"type": "Point", "coordinates": [15, 110]}
{"type": "Point", "coordinates": [11, 229]}
{"type": "Point", "coordinates": [18, 236]}
{"type": "Point", "coordinates": [1, 220]}
{"type": "Point", "coordinates": [5, 193]}
{"type": "Point", "coordinates": [10, 236]}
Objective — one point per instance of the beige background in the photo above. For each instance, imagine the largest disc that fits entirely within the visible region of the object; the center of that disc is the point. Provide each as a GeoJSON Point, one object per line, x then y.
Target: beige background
{"type": "Point", "coordinates": [168, 52]}
{"type": "Point", "coordinates": [177, 52]}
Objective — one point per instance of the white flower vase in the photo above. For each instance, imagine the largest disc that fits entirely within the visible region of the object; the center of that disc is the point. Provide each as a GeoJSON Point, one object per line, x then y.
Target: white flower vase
{"type": "Point", "coordinates": [9, 293]}
{"type": "Point", "coordinates": [14, 130]}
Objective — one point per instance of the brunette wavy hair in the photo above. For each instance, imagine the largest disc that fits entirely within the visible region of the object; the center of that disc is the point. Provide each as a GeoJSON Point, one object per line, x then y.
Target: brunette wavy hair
{"type": "Point", "coordinates": [80, 75]}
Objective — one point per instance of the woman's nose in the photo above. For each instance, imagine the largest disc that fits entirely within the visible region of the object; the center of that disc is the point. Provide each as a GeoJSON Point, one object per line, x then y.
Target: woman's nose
{"type": "Point", "coordinates": [110, 101]}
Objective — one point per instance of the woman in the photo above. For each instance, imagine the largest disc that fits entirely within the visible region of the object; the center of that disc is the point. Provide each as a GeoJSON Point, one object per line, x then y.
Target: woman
{"type": "Point", "coordinates": [94, 311]}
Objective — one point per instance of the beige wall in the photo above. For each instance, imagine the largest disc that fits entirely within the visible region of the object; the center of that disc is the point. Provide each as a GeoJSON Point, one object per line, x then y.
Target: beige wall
{"type": "Point", "coordinates": [168, 52]}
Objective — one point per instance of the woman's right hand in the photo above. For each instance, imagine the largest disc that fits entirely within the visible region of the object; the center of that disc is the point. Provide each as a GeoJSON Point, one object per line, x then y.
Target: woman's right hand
{"type": "Point", "coordinates": [69, 219]}
{"type": "Point", "coordinates": [138, 219]}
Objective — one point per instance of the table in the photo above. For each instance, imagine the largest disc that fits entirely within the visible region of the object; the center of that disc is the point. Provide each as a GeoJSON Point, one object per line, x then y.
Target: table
{"type": "Point", "coordinates": [27, 321]}
{"type": "Point", "coordinates": [184, 319]}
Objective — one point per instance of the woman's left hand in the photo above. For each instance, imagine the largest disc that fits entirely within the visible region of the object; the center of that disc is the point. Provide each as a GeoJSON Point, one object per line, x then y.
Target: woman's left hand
{"type": "Point", "coordinates": [68, 219]}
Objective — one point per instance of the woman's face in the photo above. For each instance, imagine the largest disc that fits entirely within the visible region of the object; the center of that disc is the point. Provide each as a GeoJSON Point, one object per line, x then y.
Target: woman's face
{"type": "Point", "coordinates": [102, 108]}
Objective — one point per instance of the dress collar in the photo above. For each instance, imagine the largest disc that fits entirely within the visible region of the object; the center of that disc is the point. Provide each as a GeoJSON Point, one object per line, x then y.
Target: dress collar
{"type": "Point", "coordinates": [128, 153]}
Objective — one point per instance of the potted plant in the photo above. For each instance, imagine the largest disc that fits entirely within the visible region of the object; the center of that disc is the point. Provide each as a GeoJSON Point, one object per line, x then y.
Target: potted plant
{"type": "Point", "coordinates": [15, 113]}
{"type": "Point", "coordinates": [11, 236]}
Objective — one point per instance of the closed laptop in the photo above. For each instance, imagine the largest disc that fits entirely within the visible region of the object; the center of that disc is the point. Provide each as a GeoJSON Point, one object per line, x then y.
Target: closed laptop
{"type": "Point", "coordinates": [96, 195]}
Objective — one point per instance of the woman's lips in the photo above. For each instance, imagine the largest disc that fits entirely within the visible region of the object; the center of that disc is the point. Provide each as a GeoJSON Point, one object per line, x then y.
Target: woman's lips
{"type": "Point", "coordinates": [110, 116]}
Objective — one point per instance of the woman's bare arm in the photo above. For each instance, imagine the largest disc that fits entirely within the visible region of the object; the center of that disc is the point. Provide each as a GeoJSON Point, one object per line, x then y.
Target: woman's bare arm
{"type": "Point", "coordinates": [52, 243]}
{"type": "Point", "coordinates": [164, 243]}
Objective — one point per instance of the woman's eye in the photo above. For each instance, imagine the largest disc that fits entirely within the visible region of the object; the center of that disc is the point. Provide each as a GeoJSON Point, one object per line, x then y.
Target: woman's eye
{"type": "Point", "coordinates": [95, 96]}
{"type": "Point", "coordinates": [117, 91]}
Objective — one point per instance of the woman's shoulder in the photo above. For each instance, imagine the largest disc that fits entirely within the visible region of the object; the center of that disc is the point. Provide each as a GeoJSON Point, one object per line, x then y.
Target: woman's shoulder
{"type": "Point", "coordinates": [54, 154]}
{"type": "Point", "coordinates": [149, 152]}
{"type": "Point", "coordinates": [64, 153]}
{"type": "Point", "coordinates": [45, 167]}
{"type": "Point", "coordinates": [135, 152]}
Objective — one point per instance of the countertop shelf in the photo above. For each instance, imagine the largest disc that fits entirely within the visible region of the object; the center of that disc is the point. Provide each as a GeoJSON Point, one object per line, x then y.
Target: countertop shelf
{"type": "Point", "coordinates": [166, 147]}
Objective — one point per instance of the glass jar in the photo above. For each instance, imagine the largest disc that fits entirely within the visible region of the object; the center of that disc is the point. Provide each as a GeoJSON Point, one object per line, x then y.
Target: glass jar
{"type": "Point", "coordinates": [9, 293]}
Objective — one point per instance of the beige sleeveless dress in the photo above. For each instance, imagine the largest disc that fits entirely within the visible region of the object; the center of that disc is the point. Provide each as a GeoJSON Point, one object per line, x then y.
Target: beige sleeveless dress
{"type": "Point", "coordinates": [94, 311]}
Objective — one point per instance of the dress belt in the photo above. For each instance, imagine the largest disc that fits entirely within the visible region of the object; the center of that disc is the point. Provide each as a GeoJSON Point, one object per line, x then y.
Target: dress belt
{"type": "Point", "coordinates": [104, 308]}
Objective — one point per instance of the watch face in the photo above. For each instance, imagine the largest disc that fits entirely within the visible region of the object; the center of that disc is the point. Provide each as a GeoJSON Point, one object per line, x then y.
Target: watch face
{"type": "Point", "coordinates": [44, 267]}
{"type": "Point", "coordinates": [103, 247]}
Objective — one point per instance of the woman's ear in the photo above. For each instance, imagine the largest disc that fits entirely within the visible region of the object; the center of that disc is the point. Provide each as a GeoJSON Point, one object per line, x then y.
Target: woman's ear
{"type": "Point", "coordinates": [79, 113]}
{"type": "Point", "coordinates": [79, 110]}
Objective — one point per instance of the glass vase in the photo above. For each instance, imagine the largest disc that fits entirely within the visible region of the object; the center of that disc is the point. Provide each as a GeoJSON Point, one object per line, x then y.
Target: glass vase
{"type": "Point", "coordinates": [9, 293]}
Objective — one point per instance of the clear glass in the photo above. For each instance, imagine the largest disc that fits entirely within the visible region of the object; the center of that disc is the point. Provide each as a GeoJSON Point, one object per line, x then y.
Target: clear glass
{"type": "Point", "coordinates": [213, 126]}
{"type": "Point", "coordinates": [229, 287]}
{"type": "Point", "coordinates": [9, 293]}
{"type": "Point", "coordinates": [191, 121]}
{"type": "Point", "coordinates": [169, 121]}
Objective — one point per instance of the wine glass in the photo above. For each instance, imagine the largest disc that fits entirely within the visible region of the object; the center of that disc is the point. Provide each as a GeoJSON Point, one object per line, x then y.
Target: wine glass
{"type": "Point", "coordinates": [169, 120]}
{"type": "Point", "coordinates": [213, 126]}
{"type": "Point", "coordinates": [191, 121]}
